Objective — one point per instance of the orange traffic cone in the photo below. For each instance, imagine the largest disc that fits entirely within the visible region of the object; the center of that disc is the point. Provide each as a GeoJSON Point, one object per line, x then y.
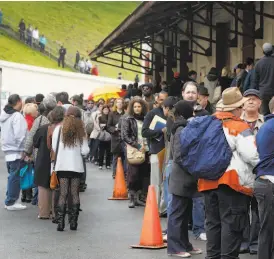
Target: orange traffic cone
{"type": "Point", "coordinates": [120, 188]}
{"type": "Point", "coordinates": [151, 236]}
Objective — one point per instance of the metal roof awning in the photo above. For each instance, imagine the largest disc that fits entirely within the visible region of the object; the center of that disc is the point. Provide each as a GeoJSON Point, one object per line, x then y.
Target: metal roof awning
{"type": "Point", "coordinates": [151, 19]}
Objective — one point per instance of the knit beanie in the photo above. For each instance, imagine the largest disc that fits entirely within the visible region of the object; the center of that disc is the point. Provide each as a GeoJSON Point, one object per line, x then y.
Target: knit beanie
{"type": "Point", "coordinates": [184, 108]}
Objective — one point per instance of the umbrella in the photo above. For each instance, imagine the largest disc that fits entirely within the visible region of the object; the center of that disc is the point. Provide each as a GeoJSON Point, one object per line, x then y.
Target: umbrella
{"type": "Point", "coordinates": [107, 92]}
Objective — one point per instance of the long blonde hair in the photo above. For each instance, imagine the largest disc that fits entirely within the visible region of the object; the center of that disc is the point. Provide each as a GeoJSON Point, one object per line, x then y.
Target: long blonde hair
{"type": "Point", "coordinates": [114, 108]}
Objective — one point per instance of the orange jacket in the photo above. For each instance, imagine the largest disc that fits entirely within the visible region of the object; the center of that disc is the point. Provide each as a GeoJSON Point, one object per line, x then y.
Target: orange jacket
{"type": "Point", "coordinates": [238, 175]}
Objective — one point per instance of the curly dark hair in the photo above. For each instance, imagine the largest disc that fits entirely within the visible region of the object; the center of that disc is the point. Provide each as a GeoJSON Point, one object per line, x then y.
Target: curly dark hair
{"type": "Point", "coordinates": [73, 128]}
{"type": "Point", "coordinates": [143, 104]}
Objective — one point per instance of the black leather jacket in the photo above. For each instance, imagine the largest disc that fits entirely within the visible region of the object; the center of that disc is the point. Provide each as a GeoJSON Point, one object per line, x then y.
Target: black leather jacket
{"type": "Point", "coordinates": [129, 132]}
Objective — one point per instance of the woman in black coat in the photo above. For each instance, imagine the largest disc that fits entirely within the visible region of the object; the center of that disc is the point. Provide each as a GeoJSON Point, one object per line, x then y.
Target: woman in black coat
{"type": "Point", "coordinates": [132, 136]}
{"type": "Point", "coordinates": [113, 129]}
{"type": "Point", "coordinates": [43, 163]}
{"type": "Point", "coordinates": [42, 172]}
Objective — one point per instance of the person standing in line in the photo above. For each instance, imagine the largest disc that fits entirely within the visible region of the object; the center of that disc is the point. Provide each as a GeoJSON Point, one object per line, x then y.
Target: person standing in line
{"type": "Point", "coordinates": [56, 118]}
{"type": "Point", "coordinates": [13, 136]}
{"type": "Point", "coordinates": [104, 145]}
{"type": "Point", "coordinates": [168, 108]}
{"type": "Point", "coordinates": [156, 143]}
{"type": "Point", "coordinates": [183, 188]}
{"type": "Point", "coordinates": [73, 144]}
{"type": "Point", "coordinates": [30, 112]}
{"type": "Point", "coordinates": [190, 94]}
{"type": "Point", "coordinates": [132, 136]}
{"type": "Point", "coordinates": [263, 77]}
{"type": "Point", "coordinates": [62, 54]}
{"type": "Point", "coordinates": [112, 128]}
{"type": "Point", "coordinates": [94, 141]}
{"type": "Point", "coordinates": [203, 99]}
{"type": "Point", "coordinates": [226, 198]}
{"type": "Point", "coordinates": [264, 185]}
{"type": "Point", "coordinates": [211, 82]}
{"type": "Point", "coordinates": [255, 120]}
{"type": "Point", "coordinates": [77, 100]}
{"type": "Point", "coordinates": [225, 80]}
{"type": "Point", "coordinates": [43, 164]}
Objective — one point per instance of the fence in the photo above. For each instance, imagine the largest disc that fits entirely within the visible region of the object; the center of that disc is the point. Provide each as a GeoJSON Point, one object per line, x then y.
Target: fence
{"type": "Point", "coordinates": [51, 48]}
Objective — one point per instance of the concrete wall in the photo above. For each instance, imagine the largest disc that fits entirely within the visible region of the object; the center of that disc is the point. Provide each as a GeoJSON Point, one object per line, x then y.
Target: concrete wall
{"type": "Point", "coordinates": [28, 80]}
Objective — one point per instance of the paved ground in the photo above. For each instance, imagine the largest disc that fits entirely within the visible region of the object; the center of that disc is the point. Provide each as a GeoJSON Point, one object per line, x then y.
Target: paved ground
{"type": "Point", "coordinates": [106, 228]}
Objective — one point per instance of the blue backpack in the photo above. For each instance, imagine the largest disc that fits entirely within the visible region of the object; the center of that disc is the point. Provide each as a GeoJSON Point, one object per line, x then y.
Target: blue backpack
{"type": "Point", "coordinates": [205, 152]}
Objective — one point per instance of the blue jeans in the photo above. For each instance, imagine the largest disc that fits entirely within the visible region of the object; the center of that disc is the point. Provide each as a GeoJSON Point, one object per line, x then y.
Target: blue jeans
{"type": "Point", "coordinates": [35, 197]}
{"type": "Point", "coordinates": [13, 187]}
{"type": "Point", "coordinates": [167, 195]}
{"type": "Point", "coordinates": [198, 216]}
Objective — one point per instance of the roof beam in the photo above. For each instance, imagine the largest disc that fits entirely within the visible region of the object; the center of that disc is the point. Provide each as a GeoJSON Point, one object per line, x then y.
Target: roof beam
{"type": "Point", "coordinates": [242, 7]}
{"type": "Point", "coordinates": [109, 64]}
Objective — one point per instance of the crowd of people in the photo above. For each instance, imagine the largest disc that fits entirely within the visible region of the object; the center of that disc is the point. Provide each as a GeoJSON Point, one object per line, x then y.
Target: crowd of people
{"type": "Point", "coordinates": [206, 148]}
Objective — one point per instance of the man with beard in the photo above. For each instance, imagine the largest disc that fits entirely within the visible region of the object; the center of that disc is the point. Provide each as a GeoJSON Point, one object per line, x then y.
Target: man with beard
{"type": "Point", "coordinates": [147, 94]}
{"type": "Point", "coordinates": [190, 94]}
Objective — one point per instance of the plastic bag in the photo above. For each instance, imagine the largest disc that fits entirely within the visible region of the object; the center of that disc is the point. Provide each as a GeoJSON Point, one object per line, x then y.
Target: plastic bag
{"type": "Point", "coordinates": [27, 177]}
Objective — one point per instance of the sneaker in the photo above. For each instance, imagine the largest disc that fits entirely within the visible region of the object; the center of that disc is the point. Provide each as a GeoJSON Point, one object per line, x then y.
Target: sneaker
{"type": "Point", "coordinates": [100, 167]}
{"type": "Point", "coordinates": [181, 254]}
{"type": "Point", "coordinates": [108, 167]}
{"type": "Point", "coordinates": [202, 237]}
{"type": "Point", "coordinates": [16, 206]}
{"type": "Point", "coordinates": [196, 251]}
{"type": "Point", "coordinates": [165, 238]}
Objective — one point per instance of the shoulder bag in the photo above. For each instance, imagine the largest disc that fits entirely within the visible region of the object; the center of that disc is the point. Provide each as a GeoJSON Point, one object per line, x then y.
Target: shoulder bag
{"type": "Point", "coordinates": [135, 156]}
{"type": "Point", "coordinates": [53, 178]}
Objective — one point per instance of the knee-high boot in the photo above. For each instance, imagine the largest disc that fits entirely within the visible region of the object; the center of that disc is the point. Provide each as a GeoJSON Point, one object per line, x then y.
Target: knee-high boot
{"type": "Point", "coordinates": [61, 214]}
{"type": "Point", "coordinates": [74, 213]}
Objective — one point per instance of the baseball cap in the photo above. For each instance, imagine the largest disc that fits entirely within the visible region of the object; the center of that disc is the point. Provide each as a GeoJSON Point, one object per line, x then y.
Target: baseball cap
{"type": "Point", "coordinates": [252, 92]}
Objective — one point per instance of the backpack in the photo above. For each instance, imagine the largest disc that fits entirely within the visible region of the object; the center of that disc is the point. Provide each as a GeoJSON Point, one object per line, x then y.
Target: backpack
{"type": "Point", "coordinates": [205, 152]}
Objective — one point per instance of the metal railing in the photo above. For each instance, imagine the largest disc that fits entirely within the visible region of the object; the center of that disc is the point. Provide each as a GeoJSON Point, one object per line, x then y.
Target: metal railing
{"type": "Point", "coordinates": [51, 48]}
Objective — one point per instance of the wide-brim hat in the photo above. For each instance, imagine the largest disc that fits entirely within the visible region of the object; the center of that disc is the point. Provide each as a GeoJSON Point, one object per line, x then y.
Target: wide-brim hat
{"type": "Point", "coordinates": [231, 100]}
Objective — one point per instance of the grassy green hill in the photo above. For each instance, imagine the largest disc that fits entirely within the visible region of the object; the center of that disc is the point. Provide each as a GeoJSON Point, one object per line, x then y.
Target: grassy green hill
{"type": "Point", "coordinates": [15, 51]}
{"type": "Point", "coordinates": [78, 25]}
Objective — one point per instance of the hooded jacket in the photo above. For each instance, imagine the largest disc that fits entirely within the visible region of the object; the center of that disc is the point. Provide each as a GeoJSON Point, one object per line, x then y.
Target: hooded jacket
{"type": "Point", "coordinates": [13, 132]}
{"type": "Point", "coordinates": [181, 183]}
{"type": "Point", "coordinates": [238, 175]}
{"type": "Point", "coordinates": [212, 84]}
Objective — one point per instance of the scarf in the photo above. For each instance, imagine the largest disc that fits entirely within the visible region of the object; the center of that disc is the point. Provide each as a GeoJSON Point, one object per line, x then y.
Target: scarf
{"type": "Point", "coordinates": [139, 117]}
